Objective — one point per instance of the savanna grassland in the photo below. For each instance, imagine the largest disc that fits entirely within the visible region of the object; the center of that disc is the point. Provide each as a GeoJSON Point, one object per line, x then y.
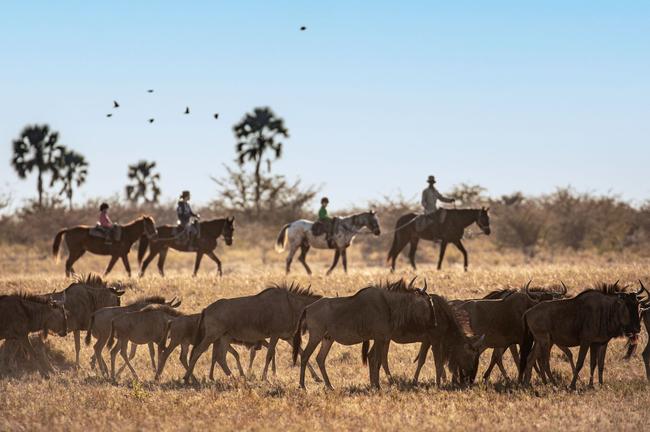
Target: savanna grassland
{"type": "Point", "coordinates": [81, 400]}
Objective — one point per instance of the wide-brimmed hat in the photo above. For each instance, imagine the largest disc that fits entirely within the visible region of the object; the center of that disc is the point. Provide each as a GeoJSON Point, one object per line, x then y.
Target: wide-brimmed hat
{"type": "Point", "coordinates": [431, 179]}
{"type": "Point", "coordinates": [185, 194]}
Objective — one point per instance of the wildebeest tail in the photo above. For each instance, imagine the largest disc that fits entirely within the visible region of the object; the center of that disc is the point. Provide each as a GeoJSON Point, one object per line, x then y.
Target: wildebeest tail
{"type": "Point", "coordinates": [282, 239]}
{"type": "Point", "coordinates": [297, 337]}
{"type": "Point", "coordinates": [89, 333]}
{"type": "Point", "coordinates": [168, 327]}
{"type": "Point", "coordinates": [142, 247]}
{"type": "Point", "coordinates": [57, 243]}
{"type": "Point", "coordinates": [200, 331]}
{"type": "Point", "coordinates": [365, 346]}
{"type": "Point", "coordinates": [526, 346]}
{"type": "Point", "coordinates": [112, 337]}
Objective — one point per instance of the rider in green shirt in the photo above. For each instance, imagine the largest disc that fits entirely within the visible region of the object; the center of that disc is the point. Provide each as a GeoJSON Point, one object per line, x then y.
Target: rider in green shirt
{"type": "Point", "coordinates": [322, 213]}
{"type": "Point", "coordinates": [325, 220]}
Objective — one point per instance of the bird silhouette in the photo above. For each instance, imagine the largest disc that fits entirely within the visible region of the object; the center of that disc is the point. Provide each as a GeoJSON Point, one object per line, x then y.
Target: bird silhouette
{"type": "Point", "coordinates": [216, 115]}
{"type": "Point", "coordinates": [187, 110]}
{"type": "Point", "coordinates": [109, 115]}
{"type": "Point", "coordinates": [150, 91]}
{"type": "Point", "coordinates": [115, 104]}
{"type": "Point", "coordinates": [151, 120]}
{"type": "Point", "coordinates": [303, 28]}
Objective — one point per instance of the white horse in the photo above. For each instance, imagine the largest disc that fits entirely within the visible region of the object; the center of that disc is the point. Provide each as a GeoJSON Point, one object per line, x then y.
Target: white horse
{"type": "Point", "coordinates": [299, 234]}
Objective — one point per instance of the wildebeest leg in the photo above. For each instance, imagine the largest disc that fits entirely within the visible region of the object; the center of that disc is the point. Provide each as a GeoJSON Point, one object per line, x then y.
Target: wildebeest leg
{"type": "Point", "coordinates": [147, 261]}
{"type": "Point", "coordinates": [530, 362]}
{"type": "Point", "coordinates": [217, 260]}
{"type": "Point", "coordinates": [165, 354]}
{"type": "Point", "coordinates": [98, 347]}
{"type": "Point", "coordinates": [646, 357]}
{"type": "Point", "coordinates": [320, 360]}
{"type": "Point", "coordinates": [161, 261]}
{"type": "Point", "coordinates": [384, 360]}
{"type": "Point", "coordinates": [493, 361]}
{"type": "Point", "coordinates": [579, 363]}
{"type": "Point", "coordinates": [111, 263]}
{"type": "Point", "coordinates": [306, 354]}
{"type": "Point", "coordinates": [270, 353]}
{"type": "Point", "coordinates": [421, 358]}
{"type": "Point", "coordinates": [113, 353]}
{"type": "Point", "coordinates": [134, 348]}
{"type": "Point", "coordinates": [304, 248]}
{"type": "Point", "coordinates": [72, 258]}
{"type": "Point", "coordinates": [601, 363]}
{"type": "Point", "coordinates": [125, 357]}
{"type": "Point", "coordinates": [125, 261]}
{"type": "Point", "coordinates": [235, 354]}
{"type": "Point", "coordinates": [337, 254]}
{"type": "Point", "coordinates": [221, 349]}
{"type": "Point", "coordinates": [197, 262]}
{"type": "Point", "coordinates": [251, 359]}
{"type": "Point", "coordinates": [443, 248]}
{"type": "Point", "coordinates": [499, 361]}
{"type": "Point", "coordinates": [194, 357]}
{"type": "Point", "coordinates": [514, 353]}
{"type": "Point", "coordinates": [412, 251]}
{"type": "Point", "coordinates": [42, 362]}
{"type": "Point", "coordinates": [77, 346]}
{"type": "Point", "coordinates": [375, 362]}
{"type": "Point", "coordinates": [152, 355]}
{"type": "Point", "coordinates": [545, 360]}
{"type": "Point", "coordinates": [462, 249]}
{"type": "Point", "coordinates": [594, 351]}
{"type": "Point", "coordinates": [439, 360]}
{"type": "Point", "coordinates": [569, 355]}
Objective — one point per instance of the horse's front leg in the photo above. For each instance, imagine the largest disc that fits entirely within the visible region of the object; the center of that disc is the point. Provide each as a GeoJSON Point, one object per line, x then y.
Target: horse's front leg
{"type": "Point", "coordinates": [443, 248]}
{"type": "Point", "coordinates": [111, 264]}
{"type": "Point", "coordinates": [337, 254]}
{"type": "Point", "coordinates": [461, 248]}
{"type": "Point", "coordinates": [214, 258]}
{"type": "Point", "coordinates": [125, 261]}
{"type": "Point", "coordinates": [197, 262]}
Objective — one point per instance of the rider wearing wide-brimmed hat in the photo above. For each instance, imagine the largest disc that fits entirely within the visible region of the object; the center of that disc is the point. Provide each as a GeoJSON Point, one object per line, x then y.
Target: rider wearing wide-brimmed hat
{"type": "Point", "coordinates": [185, 215]}
{"type": "Point", "coordinates": [430, 197]}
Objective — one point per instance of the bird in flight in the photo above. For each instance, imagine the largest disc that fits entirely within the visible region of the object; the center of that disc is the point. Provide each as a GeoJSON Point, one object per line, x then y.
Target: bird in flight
{"type": "Point", "coordinates": [109, 115]}
{"type": "Point", "coordinates": [151, 120]}
{"type": "Point", "coordinates": [216, 115]}
{"type": "Point", "coordinates": [150, 91]}
{"type": "Point", "coordinates": [115, 104]}
{"type": "Point", "coordinates": [187, 110]}
{"type": "Point", "coordinates": [303, 28]}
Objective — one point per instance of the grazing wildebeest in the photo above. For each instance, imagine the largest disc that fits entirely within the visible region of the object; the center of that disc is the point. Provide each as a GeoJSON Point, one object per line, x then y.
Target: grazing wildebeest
{"type": "Point", "coordinates": [452, 231]}
{"type": "Point", "coordinates": [79, 241]}
{"type": "Point", "coordinates": [375, 313]}
{"type": "Point", "coordinates": [100, 327]}
{"type": "Point", "coordinates": [272, 314]}
{"type": "Point", "coordinates": [450, 344]}
{"type": "Point", "coordinates": [22, 314]}
{"type": "Point", "coordinates": [149, 325]}
{"type": "Point", "coordinates": [298, 234]}
{"type": "Point", "coordinates": [182, 331]}
{"type": "Point", "coordinates": [82, 298]}
{"type": "Point", "coordinates": [206, 243]}
{"type": "Point", "coordinates": [588, 320]}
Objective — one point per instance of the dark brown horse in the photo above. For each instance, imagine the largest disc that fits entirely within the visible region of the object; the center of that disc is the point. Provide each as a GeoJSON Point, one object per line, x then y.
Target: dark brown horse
{"type": "Point", "coordinates": [452, 231]}
{"type": "Point", "coordinates": [206, 243]}
{"type": "Point", "coordinates": [79, 241]}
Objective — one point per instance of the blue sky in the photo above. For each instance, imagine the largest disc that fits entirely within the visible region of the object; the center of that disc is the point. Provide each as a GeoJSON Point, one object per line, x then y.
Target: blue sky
{"type": "Point", "coordinates": [377, 95]}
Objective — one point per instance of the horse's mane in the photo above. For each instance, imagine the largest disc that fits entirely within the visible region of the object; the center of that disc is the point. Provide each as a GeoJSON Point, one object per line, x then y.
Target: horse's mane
{"type": "Point", "coordinates": [140, 218]}
{"type": "Point", "coordinates": [163, 308]}
{"type": "Point", "coordinates": [294, 288]}
{"type": "Point", "coordinates": [149, 299]}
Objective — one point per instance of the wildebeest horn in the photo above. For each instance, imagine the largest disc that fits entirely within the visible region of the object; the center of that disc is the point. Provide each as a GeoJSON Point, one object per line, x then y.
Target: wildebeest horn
{"type": "Point", "coordinates": [564, 288]}
{"type": "Point", "coordinates": [526, 288]}
{"type": "Point", "coordinates": [425, 286]}
{"type": "Point", "coordinates": [412, 281]}
{"type": "Point", "coordinates": [639, 293]}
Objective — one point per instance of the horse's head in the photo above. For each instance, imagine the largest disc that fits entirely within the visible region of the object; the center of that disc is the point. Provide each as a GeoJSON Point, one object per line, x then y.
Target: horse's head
{"type": "Point", "coordinates": [371, 221]}
{"type": "Point", "coordinates": [228, 230]}
{"type": "Point", "coordinates": [483, 220]}
{"type": "Point", "coordinates": [149, 227]}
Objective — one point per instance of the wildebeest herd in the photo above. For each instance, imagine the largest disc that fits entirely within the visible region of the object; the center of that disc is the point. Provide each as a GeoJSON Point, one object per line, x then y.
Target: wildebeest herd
{"type": "Point", "coordinates": [526, 321]}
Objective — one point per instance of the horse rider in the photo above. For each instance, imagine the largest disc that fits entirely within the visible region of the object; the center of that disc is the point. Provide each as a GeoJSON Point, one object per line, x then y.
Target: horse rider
{"type": "Point", "coordinates": [430, 197]}
{"type": "Point", "coordinates": [185, 215]}
{"type": "Point", "coordinates": [104, 223]}
{"type": "Point", "coordinates": [325, 221]}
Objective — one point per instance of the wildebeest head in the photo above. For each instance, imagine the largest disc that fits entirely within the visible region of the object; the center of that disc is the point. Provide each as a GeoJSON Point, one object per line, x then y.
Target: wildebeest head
{"type": "Point", "coordinates": [56, 317]}
{"type": "Point", "coordinates": [483, 220]}
{"type": "Point", "coordinates": [466, 358]}
{"type": "Point", "coordinates": [229, 230]}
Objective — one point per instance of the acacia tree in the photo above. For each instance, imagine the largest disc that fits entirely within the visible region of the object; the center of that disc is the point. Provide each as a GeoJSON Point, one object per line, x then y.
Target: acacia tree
{"type": "Point", "coordinates": [257, 133]}
{"type": "Point", "coordinates": [71, 171]}
{"type": "Point", "coordinates": [144, 183]}
{"type": "Point", "coordinates": [36, 149]}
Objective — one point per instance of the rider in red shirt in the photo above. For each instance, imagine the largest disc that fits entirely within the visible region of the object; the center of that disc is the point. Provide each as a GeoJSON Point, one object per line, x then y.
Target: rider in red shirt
{"type": "Point", "coordinates": [105, 222]}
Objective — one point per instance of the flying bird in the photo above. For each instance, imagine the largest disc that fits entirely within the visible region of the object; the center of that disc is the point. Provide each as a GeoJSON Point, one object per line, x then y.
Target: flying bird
{"type": "Point", "coordinates": [187, 110]}
{"type": "Point", "coordinates": [303, 28]}
{"type": "Point", "coordinates": [109, 115]}
{"type": "Point", "coordinates": [216, 115]}
{"type": "Point", "coordinates": [115, 104]}
{"type": "Point", "coordinates": [150, 91]}
{"type": "Point", "coordinates": [151, 120]}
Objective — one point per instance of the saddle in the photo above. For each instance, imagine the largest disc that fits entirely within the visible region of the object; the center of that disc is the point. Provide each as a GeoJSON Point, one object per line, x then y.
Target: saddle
{"type": "Point", "coordinates": [114, 233]}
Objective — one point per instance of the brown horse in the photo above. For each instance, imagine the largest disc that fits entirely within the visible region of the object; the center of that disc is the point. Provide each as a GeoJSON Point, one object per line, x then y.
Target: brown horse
{"type": "Point", "coordinates": [79, 241]}
{"type": "Point", "coordinates": [206, 244]}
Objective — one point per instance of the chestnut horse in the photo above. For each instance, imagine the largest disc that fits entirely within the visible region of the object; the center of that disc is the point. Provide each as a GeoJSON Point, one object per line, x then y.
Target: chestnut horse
{"type": "Point", "coordinates": [206, 244]}
{"type": "Point", "coordinates": [79, 241]}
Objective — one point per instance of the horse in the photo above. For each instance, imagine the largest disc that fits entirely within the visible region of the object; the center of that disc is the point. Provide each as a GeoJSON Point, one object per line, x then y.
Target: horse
{"type": "Point", "coordinates": [206, 244]}
{"type": "Point", "coordinates": [452, 231]}
{"type": "Point", "coordinates": [298, 234]}
{"type": "Point", "coordinates": [79, 241]}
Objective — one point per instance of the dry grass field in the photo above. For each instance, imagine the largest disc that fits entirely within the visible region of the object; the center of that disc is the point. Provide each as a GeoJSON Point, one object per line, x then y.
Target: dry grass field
{"type": "Point", "coordinates": [81, 400]}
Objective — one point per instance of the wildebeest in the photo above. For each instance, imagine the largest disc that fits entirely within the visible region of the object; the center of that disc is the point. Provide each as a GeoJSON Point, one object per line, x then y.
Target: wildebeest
{"type": "Point", "coordinates": [22, 314]}
{"type": "Point", "coordinates": [206, 243]}
{"type": "Point", "coordinates": [451, 231]}
{"type": "Point", "coordinates": [82, 298]}
{"type": "Point", "coordinates": [588, 320]}
{"type": "Point", "coordinates": [146, 326]}
{"type": "Point", "coordinates": [375, 313]}
{"type": "Point", "coordinates": [79, 241]}
{"type": "Point", "coordinates": [272, 314]}
{"type": "Point", "coordinates": [100, 326]}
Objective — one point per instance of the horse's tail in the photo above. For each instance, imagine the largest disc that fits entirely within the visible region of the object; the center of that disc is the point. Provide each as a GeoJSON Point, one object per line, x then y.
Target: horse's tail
{"type": "Point", "coordinates": [57, 243]}
{"type": "Point", "coordinates": [281, 241]}
{"type": "Point", "coordinates": [89, 333]}
{"type": "Point", "coordinates": [297, 337]}
{"type": "Point", "coordinates": [364, 352]}
{"type": "Point", "coordinates": [142, 247]}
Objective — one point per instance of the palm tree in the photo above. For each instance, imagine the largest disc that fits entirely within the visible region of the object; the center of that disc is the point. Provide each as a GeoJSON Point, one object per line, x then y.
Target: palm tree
{"type": "Point", "coordinates": [144, 183]}
{"type": "Point", "coordinates": [36, 148]}
{"type": "Point", "coordinates": [256, 133]}
{"type": "Point", "coordinates": [72, 170]}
